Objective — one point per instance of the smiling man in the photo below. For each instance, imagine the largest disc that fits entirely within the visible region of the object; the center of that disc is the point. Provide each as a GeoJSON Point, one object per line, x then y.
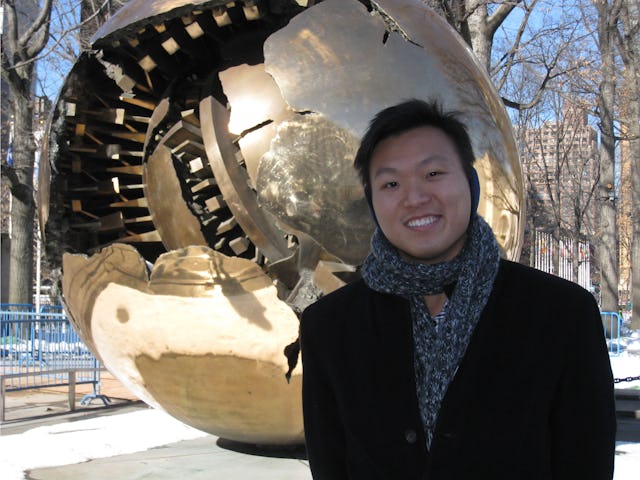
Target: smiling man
{"type": "Point", "coordinates": [420, 194]}
{"type": "Point", "coordinates": [445, 361]}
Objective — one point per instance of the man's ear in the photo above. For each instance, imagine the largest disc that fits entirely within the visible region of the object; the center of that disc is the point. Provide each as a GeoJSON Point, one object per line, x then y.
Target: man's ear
{"type": "Point", "coordinates": [474, 186]}
{"type": "Point", "coordinates": [369, 199]}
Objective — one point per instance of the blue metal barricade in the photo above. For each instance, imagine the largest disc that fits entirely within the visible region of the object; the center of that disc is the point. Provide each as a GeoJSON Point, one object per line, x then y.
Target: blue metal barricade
{"type": "Point", "coordinates": [612, 323]}
{"type": "Point", "coordinates": [35, 344]}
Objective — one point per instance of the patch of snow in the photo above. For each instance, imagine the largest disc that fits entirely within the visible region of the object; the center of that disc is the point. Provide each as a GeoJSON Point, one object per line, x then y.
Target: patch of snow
{"type": "Point", "coordinates": [75, 442]}
{"type": "Point", "coordinates": [627, 463]}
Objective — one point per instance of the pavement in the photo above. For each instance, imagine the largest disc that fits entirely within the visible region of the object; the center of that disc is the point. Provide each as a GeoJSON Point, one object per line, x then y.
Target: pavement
{"type": "Point", "coordinates": [25, 409]}
{"type": "Point", "coordinates": [40, 420]}
{"type": "Point", "coordinates": [199, 459]}
{"type": "Point", "coordinates": [41, 439]}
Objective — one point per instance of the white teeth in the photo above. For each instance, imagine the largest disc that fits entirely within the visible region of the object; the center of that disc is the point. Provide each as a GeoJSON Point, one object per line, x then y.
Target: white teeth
{"type": "Point", "coordinates": [421, 222]}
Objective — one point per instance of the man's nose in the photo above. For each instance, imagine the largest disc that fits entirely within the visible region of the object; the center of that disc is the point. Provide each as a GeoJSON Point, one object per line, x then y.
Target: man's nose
{"type": "Point", "coordinates": [416, 194]}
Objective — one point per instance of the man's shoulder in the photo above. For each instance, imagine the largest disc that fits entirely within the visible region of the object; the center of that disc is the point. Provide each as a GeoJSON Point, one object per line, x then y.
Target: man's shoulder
{"type": "Point", "coordinates": [332, 313]}
{"type": "Point", "coordinates": [344, 297]}
{"type": "Point", "coordinates": [516, 276]}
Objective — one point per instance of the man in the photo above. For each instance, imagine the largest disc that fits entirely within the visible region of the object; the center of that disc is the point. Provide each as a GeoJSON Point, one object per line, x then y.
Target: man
{"type": "Point", "coordinates": [445, 361]}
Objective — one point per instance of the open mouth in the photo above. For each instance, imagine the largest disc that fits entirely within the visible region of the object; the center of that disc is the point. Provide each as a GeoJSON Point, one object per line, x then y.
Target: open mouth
{"type": "Point", "coordinates": [422, 221]}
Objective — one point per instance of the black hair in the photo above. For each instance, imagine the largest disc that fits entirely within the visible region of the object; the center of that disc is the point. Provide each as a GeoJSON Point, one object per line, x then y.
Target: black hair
{"type": "Point", "coordinates": [406, 116]}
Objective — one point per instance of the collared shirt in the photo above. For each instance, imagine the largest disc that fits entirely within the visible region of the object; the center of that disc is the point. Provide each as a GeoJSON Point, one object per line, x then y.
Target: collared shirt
{"type": "Point", "coordinates": [439, 317]}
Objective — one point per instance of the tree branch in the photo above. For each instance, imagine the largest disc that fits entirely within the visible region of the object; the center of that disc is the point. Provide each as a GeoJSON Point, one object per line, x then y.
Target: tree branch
{"type": "Point", "coordinates": [625, 40]}
{"type": "Point", "coordinates": [9, 73]}
{"type": "Point", "coordinates": [495, 20]}
{"type": "Point", "coordinates": [35, 57]}
{"type": "Point", "coordinates": [39, 41]}
{"type": "Point", "coordinates": [510, 55]}
{"type": "Point", "coordinates": [41, 22]}
{"type": "Point", "coordinates": [18, 189]}
{"type": "Point", "coordinates": [11, 37]}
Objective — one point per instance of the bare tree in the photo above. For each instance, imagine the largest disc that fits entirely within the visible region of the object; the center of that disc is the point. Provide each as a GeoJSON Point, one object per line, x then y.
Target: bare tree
{"type": "Point", "coordinates": [627, 38]}
{"type": "Point", "coordinates": [555, 52]}
{"type": "Point", "coordinates": [72, 24]}
{"type": "Point", "coordinates": [25, 41]}
{"type": "Point", "coordinates": [477, 22]}
{"type": "Point", "coordinates": [608, 15]}
{"type": "Point", "coordinates": [541, 47]}
{"type": "Point", "coordinates": [94, 13]}
{"type": "Point", "coordinates": [561, 164]}
{"type": "Point", "coordinates": [21, 45]}
{"type": "Point", "coordinates": [551, 48]}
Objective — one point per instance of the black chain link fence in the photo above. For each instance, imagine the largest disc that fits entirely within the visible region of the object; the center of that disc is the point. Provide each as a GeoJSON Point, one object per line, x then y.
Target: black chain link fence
{"type": "Point", "coordinates": [626, 379]}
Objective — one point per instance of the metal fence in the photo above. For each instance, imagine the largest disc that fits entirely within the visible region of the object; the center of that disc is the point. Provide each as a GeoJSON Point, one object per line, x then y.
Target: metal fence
{"type": "Point", "coordinates": [612, 323]}
{"type": "Point", "coordinates": [41, 349]}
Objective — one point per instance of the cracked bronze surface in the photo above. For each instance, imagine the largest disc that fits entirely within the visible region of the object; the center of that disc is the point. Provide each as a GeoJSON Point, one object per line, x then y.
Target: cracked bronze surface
{"type": "Point", "coordinates": [203, 194]}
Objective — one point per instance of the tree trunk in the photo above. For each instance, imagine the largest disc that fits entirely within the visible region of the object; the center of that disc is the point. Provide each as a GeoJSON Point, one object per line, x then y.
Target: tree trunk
{"type": "Point", "coordinates": [25, 37]}
{"type": "Point", "coordinates": [575, 260]}
{"type": "Point", "coordinates": [631, 47]}
{"type": "Point", "coordinates": [471, 19]}
{"type": "Point", "coordinates": [22, 204]}
{"type": "Point", "coordinates": [480, 37]}
{"type": "Point", "coordinates": [608, 247]}
{"type": "Point", "coordinates": [634, 150]}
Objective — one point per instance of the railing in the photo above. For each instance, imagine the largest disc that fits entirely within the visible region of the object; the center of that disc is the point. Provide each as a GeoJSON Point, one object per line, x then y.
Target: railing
{"type": "Point", "coordinates": [612, 323]}
{"type": "Point", "coordinates": [41, 349]}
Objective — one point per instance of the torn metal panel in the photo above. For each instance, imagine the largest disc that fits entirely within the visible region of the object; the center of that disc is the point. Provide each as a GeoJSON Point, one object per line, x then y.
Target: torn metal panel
{"type": "Point", "coordinates": [347, 64]}
{"type": "Point", "coordinates": [253, 146]}
{"type": "Point", "coordinates": [308, 182]}
{"type": "Point", "coordinates": [176, 223]}
{"type": "Point", "coordinates": [256, 105]}
{"type": "Point", "coordinates": [270, 188]}
{"type": "Point", "coordinates": [473, 93]}
{"type": "Point", "coordinates": [200, 337]}
{"type": "Point", "coordinates": [135, 14]}
{"type": "Point", "coordinates": [339, 63]}
{"type": "Point", "coordinates": [234, 183]}
{"type": "Point", "coordinates": [253, 96]}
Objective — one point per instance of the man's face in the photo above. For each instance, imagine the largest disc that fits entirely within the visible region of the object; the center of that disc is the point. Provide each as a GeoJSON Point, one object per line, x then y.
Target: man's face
{"type": "Point", "coordinates": [420, 194]}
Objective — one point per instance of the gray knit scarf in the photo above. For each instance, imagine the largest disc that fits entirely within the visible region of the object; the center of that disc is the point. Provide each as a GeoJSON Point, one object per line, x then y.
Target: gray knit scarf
{"type": "Point", "coordinates": [438, 351]}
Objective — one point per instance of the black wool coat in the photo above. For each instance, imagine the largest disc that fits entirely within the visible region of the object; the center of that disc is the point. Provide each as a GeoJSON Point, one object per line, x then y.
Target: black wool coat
{"type": "Point", "coordinates": [532, 397]}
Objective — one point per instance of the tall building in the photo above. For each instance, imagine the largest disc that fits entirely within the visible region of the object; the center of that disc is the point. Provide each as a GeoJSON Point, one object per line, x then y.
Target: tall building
{"type": "Point", "coordinates": [560, 163]}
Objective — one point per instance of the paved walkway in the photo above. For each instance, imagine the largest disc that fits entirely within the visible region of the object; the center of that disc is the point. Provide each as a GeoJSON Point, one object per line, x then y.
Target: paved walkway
{"type": "Point", "coordinates": [50, 405]}
{"type": "Point", "coordinates": [199, 459]}
{"type": "Point", "coordinates": [42, 440]}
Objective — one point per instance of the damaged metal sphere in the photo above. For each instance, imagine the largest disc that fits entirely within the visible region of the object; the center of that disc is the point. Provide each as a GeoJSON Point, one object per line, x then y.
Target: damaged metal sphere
{"type": "Point", "coordinates": [201, 187]}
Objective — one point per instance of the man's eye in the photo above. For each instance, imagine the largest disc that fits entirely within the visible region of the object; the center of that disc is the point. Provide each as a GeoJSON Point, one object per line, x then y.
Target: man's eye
{"type": "Point", "coordinates": [434, 174]}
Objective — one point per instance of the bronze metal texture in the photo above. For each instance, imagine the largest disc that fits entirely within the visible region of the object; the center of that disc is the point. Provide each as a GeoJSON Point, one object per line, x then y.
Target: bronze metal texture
{"type": "Point", "coordinates": [136, 13]}
{"type": "Point", "coordinates": [256, 107]}
{"type": "Point", "coordinates": [234, 182]}
{"type": "Point", "coordinates": [270, 189]}
{"type": "Point", "coordinates": [337, 52]}
{"type": "Point", "coordinates": [177, 225]}
{"type": "Point", "coordinates": [200, 337]}
{"type": "Point", "coordinates": [307, 181]}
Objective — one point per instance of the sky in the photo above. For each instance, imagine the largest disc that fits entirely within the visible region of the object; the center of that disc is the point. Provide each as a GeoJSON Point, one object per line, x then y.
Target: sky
{"type": "Point", "coordinates": [61, 48]}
